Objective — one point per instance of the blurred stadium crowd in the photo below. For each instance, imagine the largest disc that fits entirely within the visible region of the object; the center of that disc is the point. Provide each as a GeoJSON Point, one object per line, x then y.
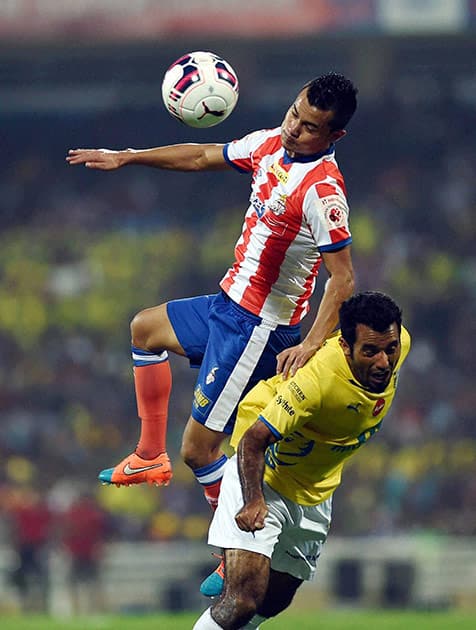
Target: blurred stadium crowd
{"type": "Point", "coordinates": [81, 252]}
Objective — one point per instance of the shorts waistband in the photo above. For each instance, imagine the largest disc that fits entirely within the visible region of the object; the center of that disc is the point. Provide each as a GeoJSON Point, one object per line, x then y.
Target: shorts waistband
{"type": "Point", "coordinates": [257, 318]}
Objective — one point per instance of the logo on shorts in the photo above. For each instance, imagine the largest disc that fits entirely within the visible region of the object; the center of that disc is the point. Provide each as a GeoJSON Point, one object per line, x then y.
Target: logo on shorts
{"type": "Point", "coordinates": [199, 398]}
{"type": "Point", "coordinates": [211, 376]}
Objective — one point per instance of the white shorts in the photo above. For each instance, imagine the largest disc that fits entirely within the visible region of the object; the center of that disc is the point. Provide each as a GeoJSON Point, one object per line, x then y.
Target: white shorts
{"type": "Point", "coordinates": [293, 534]}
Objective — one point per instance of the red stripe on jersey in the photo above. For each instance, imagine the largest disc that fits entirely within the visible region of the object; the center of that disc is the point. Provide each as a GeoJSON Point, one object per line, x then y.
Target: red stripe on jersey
{"type": "Point", "coordinates": [324, 190]}
{"type": "Point", "coordinates": [269, 146]}
{"type": "Point", "coordinates": [339, 234]}
{"type": "Point", "coordinates": [269, 267]}
{"type": "Point", "coordinates": [303, 305]}
{"type": "Point", "coordinates": [240, 251]}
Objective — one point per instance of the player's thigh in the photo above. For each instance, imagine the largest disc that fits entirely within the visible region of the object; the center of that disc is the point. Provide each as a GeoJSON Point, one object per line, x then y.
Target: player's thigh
{"type": "Point", "coordinates": [152, 330]}
{"type": "Point", "coordinates": [189, 319]}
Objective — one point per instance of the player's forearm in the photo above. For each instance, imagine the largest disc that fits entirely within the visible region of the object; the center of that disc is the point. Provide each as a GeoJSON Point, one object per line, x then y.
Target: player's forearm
{"type": "Point", "coordinates": [178, 157]}
{"type": "Point", "coordinates": [338, 288]}
{"type": "Point", "coordinates": [251, 467]}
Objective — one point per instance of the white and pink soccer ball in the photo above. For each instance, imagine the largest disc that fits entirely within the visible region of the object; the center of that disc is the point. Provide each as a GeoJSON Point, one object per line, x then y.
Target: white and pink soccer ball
{"type": "Point", "coordinates": [200, 89]}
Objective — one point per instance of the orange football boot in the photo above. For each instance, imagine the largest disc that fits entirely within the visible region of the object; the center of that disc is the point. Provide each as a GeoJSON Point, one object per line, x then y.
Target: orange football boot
{"type": "Point", "coordinates": [134, 469]}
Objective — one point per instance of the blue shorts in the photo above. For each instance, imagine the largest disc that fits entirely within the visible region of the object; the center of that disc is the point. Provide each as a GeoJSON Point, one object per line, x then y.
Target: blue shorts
{"type": "Point", "coordinates": [233, 348]}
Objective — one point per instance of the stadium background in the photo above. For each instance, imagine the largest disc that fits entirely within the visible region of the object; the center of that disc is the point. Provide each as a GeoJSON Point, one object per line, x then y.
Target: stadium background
{"type": "Point", "coordinates": [82, 251]}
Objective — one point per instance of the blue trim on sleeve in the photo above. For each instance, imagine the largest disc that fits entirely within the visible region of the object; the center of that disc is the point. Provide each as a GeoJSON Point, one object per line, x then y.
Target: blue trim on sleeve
{"type": "Point", "coordinates": [335, 247]}
{"type": "Point", "coordinates": [276, 433]}
{"type": "Point", "coordinates": [230, 162]}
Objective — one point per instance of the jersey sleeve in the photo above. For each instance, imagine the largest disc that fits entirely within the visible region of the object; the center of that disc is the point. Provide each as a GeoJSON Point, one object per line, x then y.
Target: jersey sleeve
{"type": "Point", "coordinates": [327, 213]}
{"type": "Point", "coordinates": [239, 153]}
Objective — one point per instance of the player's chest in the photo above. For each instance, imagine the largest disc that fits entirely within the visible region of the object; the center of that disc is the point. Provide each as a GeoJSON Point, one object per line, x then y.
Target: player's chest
{"type": "Point", "coordinates": [353, 416]}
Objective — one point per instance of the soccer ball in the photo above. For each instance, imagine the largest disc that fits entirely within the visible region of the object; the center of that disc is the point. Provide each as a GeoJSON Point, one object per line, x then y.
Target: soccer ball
{"type": "Point", "coordinates": [200, 89]}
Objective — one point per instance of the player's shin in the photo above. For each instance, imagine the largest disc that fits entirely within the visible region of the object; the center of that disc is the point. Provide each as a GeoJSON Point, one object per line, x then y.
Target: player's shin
{"type": "Point", "coordinates": [153, 384]}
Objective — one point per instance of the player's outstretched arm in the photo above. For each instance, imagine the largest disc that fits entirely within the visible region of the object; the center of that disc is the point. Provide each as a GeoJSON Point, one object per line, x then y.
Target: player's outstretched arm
{"type": "Point", "coordinates": [179, 157]}
{"type": "Point", "coordinates": [102, 159]}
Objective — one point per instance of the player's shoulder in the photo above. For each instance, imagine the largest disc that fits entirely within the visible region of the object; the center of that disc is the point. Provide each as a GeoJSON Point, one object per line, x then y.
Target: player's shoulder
{"type": "Point", "coordinates": [329, 359]}
{"type": "Point", "coordinates": [405, 342]}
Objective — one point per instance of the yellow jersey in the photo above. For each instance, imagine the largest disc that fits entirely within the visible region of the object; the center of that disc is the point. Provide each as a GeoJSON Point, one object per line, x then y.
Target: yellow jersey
{"type": "Point", "coordinates": [322, 416]}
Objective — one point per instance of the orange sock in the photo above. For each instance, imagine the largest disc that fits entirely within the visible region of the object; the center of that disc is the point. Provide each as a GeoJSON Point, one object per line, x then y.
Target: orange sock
{"type": "Point", "coordinates": [211, 493]}
{"type": "Point", "coordinates": [153, 384]}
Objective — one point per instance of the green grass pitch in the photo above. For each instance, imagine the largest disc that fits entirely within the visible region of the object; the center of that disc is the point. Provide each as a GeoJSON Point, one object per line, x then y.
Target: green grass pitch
{"type": "Point", "coordinates": [308, 620]}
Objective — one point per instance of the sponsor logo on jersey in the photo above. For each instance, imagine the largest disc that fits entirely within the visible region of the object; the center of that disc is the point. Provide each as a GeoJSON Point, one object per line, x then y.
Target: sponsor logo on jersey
{"type": "Point", "coordinates": [258, 205]}
{"type": "Point", "coordinates": [379, 405]}
{"type": "Point", "coordinates": [334, 211]}
{"type": "Point", "coordinates": [296, 391]}
{"type": "Point", "coordinates": [280, 173]}
{"type": "Point", "coordinates": [284, 403]}
{"type": "Point", "coordinates": [199, 398]}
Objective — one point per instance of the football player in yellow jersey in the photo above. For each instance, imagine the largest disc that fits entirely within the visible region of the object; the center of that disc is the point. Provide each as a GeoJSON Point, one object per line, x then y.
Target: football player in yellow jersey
{"type": "Point", "coordinates": [292, 439]}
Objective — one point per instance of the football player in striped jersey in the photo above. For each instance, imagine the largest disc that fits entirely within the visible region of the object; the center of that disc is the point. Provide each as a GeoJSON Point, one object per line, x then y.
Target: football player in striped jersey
{"type": "Point", "coordinates": [297, 219]}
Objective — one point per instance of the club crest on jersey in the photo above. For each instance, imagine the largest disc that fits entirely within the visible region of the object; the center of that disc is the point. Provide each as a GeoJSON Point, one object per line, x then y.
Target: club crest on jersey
{"type": "Point", "coordinates": [211, 376]}
{"type": "Point", "coordinates": [278, 206]}
{"type": "Point", "coordinates": [280, 173]}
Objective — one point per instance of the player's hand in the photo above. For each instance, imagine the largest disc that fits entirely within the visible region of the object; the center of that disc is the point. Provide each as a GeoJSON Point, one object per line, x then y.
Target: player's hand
{"type": "Point", "coordinates": [102, 159]}
{"type": "Point", "coordinates": [291, 359]}
{"type": "Point", "coordinates": [251, 516]}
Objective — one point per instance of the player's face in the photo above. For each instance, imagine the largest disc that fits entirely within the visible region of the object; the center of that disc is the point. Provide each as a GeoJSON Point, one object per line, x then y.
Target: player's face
{"type": "Point", "coordinates": [305, 129]}
{"type": "Point", "coordinates": [374, 356]}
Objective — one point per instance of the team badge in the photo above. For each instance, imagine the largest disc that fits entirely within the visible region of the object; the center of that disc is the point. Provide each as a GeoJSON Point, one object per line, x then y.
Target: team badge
{"type": "Point", "coordinates": [211, 376]}
{"type": "Point", "coordinates": [278, 206]}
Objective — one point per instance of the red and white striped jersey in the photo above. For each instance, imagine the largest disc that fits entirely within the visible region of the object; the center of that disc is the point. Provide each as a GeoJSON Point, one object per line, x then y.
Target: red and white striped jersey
{"type": "Point", "coordinates": [298, 208]}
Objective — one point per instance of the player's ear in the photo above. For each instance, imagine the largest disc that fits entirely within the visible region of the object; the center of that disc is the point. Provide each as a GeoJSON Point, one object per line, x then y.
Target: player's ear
{"type": "Point", "coordinates": [338, 134]}
{"type": "Point", "coordinates": [345, 347]}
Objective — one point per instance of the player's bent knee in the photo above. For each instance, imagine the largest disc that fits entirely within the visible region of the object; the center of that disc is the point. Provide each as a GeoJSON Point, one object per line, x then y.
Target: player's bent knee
{"type": "Point", "coordinates": [200, 446]}
{"type": "Point", "coordinates": [140, 329]}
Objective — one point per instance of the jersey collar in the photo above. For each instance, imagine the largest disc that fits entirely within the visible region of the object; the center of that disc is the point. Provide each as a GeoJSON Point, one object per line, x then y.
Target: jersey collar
{"type": "Point", "coordinates": [308, 158]}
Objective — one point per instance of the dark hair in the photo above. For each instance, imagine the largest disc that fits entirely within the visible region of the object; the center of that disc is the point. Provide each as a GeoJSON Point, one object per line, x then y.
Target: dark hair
{"type": "Point", "coordinates": [371, 308]}
{"type": "Point", "coordinates": [334, 92]}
